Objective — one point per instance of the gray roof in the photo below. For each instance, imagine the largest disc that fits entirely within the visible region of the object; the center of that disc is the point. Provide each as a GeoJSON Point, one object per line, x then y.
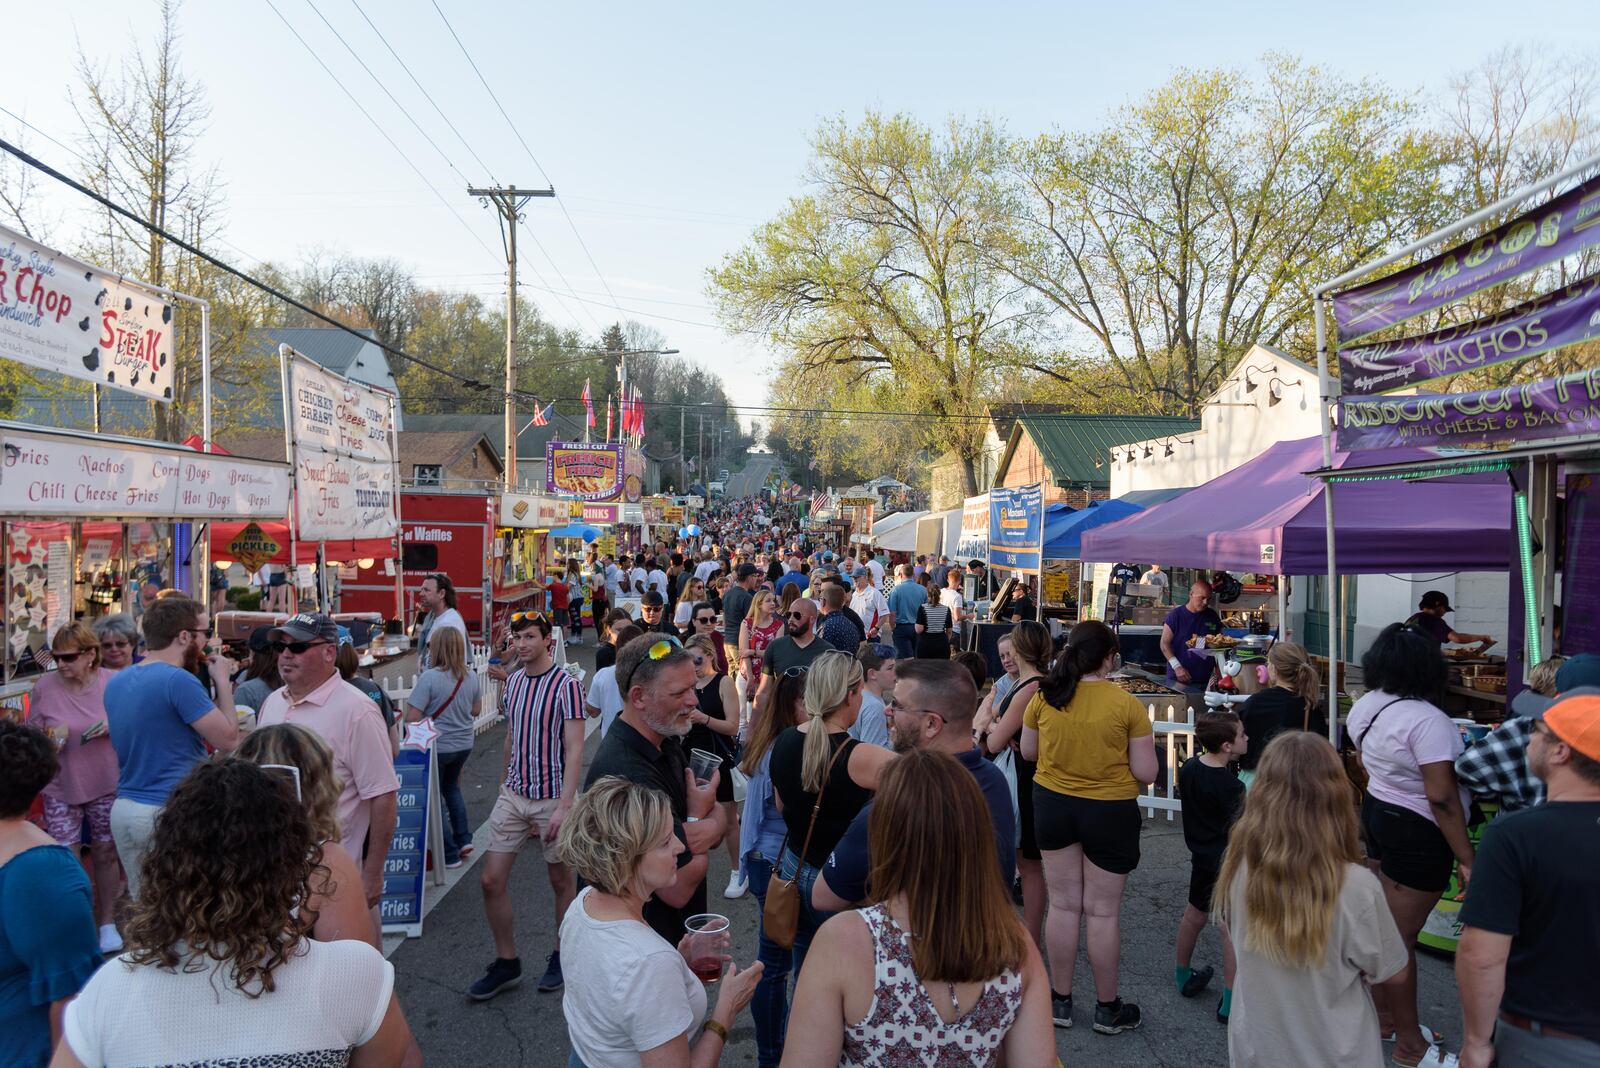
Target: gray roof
{"type": "Point", "coordinates": [338, 350]}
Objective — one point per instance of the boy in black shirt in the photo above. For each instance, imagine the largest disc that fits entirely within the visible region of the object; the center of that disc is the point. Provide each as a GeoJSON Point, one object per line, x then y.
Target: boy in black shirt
{"type": "Point", "coordinates": [1211, 794]}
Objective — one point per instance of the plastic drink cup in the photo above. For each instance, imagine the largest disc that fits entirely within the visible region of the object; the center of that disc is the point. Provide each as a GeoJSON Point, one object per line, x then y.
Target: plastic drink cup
{"type": "Point", "coordinates": [703, 764]}
{"type": "Point", "coordinates": [708, 939]}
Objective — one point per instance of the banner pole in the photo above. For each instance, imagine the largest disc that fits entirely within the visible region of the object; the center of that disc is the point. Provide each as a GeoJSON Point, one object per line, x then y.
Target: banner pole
{"type": "Point", "coordinates": [284, 356]}
{"type": "Point", "coordinates": [1325, 389]}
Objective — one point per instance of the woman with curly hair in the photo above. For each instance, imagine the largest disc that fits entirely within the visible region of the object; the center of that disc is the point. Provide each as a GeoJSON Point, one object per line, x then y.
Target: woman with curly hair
{"type": "Point", "coordinates": [304, 760]}
{"type": "Point", "coordinates": [47, 938]}
{"type": "Point", "coordinates": [218, 937]}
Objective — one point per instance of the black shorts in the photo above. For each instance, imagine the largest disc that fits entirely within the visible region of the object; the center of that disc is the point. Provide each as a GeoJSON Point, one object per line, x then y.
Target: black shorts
{"type": "Point", "coordinates": [1028, 842]}
{"type": "Point", "coordinates": [1202, 881]}
{"type": "Point", "coordinates": [1107, 830]}
{"type": "Point", "coordinates": [1410, 849]}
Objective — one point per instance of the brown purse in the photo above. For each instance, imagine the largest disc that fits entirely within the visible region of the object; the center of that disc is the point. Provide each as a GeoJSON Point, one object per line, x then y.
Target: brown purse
{"type": "Point", "coordinates": [780, 916]}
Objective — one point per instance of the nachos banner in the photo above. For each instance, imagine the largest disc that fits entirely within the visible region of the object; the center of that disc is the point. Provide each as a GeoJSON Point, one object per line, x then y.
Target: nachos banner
{"type": "Point", "coordinates": [1539, 237]}
{"type": "Point", "coordinates": [1564, 317]}
{"type": "Point", "coordinates": [1550, 409]}
{"type": "Point", "coordinates": [62, 315]}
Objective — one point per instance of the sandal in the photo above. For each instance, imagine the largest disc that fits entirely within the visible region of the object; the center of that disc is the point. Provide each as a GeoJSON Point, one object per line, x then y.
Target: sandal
{"type": "Point", "coordinates": [1435, 1057]}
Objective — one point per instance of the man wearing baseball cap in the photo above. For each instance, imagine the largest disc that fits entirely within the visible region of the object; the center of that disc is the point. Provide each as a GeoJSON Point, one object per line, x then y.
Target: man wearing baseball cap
{"type": "Point", "coordinates": [1496, 767]}
{"type": "Point", "coordinates": [315, 697]}
{"type": "Point", "coordinates": [1429, 619]}
{"type": "Point", "coordinates": [1531, 923]}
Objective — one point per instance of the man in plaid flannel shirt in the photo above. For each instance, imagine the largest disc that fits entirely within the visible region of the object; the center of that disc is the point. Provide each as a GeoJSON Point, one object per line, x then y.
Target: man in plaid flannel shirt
{"type": "Point", "coordinates": [1495, 768]}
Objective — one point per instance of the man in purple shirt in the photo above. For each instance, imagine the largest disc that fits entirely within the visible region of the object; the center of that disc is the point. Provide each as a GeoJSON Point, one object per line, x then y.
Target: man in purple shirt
{"type": "Point", "coordinates": [1186, 666]}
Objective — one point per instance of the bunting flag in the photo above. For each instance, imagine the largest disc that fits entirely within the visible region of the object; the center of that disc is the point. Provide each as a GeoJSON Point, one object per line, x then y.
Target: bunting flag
{"type": "Point", "coordinates": [588, 403]}
{"type": "Point", "coordinates": [608, 418]}
{"type": "Point", "coordinates": [542, 418]}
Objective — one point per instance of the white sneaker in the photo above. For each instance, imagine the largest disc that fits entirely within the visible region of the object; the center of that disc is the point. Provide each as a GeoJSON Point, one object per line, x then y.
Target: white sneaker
{"type": "Point", "coordinates": [110, 940]}
{"type": "Point", "coordinates": [1436, 1057]}
{"type": "Point", "coordinates": [737, 885]}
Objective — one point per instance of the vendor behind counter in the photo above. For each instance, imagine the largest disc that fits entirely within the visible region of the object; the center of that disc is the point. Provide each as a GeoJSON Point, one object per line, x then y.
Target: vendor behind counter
{"type": "Point", "coordinates": [1429, 621]}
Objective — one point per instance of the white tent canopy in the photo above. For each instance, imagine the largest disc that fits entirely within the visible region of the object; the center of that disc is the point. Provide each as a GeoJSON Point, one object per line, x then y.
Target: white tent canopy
{"type": "Point", "coordinates": [897, 532]}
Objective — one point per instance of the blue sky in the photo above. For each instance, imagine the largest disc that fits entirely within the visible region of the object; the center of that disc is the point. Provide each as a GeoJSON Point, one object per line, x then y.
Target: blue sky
{"type": "Point", "coordinates": [669, 131]}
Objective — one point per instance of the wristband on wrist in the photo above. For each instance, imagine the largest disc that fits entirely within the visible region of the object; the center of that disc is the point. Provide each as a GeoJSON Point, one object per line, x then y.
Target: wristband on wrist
{"type": "Point", "coordinates": [717, 1029]}
{"type": "Point", "coordinates": [1174, 661]}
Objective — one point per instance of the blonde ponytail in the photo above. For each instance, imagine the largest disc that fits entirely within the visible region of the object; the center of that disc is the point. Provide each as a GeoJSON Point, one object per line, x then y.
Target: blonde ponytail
{"type": "Point", "coordinates": [1292, 667]}
{"type": "Point", "coordinates": [828, 683]}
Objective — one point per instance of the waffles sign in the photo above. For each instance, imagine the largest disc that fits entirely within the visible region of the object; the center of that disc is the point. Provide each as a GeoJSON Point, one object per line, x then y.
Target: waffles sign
{"type": "Point", "coordinates": [61, 315]}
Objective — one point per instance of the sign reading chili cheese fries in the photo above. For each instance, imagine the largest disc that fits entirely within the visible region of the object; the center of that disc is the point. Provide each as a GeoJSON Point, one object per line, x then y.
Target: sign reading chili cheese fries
{"type": "Point", "coordinates": [589, 472]}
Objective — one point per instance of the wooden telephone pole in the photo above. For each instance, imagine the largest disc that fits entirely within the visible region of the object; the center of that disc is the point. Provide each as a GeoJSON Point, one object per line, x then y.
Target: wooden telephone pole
{"type": "Point", "coordinates": [509, 201]}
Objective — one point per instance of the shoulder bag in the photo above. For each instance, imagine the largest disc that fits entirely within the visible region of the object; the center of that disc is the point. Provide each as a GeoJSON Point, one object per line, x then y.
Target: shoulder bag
{"type": "Point", "coordinates": [446, 703]}
{"type": "Point", "coordinates": [780, 917]}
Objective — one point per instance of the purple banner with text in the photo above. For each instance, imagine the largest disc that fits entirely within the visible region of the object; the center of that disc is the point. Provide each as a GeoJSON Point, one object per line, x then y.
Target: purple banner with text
{"type": "Point", "coordinates": [1565, 317]}
{"type": "Point", "coordinates": [1534, 239]}
{"type": "Point", "coordinates": [1553, 408]}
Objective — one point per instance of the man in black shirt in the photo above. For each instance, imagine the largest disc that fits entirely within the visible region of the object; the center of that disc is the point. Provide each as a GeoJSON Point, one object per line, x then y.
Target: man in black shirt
{"type": "Point", "coordinates": [796, 647]}
{"type": "Point", "coordinates": [1429, 619]}
{"type": "Point", "coordinates": [644, 746]}
{"type": "Point", "coordinates": [1531, 923]}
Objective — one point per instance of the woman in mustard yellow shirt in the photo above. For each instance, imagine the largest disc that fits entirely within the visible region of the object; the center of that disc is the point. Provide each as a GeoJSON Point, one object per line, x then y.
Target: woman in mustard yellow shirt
{"type": "Point", "coordinates": [1094, 748]}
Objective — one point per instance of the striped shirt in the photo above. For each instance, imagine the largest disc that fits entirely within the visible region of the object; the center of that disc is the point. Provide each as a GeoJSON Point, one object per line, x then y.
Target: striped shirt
{"type": "Point", "coordinates": [536, 708]}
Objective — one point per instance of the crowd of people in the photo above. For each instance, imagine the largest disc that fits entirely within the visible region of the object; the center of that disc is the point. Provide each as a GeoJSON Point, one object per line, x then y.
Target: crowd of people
{"type": "Point", "coordinates": [926, 849]}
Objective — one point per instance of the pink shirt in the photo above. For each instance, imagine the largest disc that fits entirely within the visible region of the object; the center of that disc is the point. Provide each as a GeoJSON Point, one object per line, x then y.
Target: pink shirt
{"type": "Point", "coordinates": [351, 724]}
{"type": "Point", "coordinates": [88, 771]}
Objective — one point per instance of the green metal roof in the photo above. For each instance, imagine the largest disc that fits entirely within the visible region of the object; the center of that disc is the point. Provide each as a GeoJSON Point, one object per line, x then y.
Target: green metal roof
{"type": "Point", "coordinates": [1070, 444]}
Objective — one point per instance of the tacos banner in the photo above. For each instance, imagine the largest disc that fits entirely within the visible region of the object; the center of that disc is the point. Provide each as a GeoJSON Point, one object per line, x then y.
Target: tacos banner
{"type": "Point", "coordinates": [1538, 237]}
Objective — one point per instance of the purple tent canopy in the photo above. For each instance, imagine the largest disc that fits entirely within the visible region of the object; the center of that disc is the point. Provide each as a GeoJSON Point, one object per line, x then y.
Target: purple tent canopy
{"type": "Point", "coordinates": [1266, 517]}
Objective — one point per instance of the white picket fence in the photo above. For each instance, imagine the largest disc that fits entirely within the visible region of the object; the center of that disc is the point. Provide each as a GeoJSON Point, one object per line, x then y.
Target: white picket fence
{"type": "Point", "coordinates": [1169, 731]}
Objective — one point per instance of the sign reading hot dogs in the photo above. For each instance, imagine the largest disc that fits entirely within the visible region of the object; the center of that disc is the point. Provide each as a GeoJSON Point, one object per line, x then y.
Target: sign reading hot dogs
{"type": "Point", "coordinates": [590, 472]}
{"type": "Point", "coordinates": [63, 315]}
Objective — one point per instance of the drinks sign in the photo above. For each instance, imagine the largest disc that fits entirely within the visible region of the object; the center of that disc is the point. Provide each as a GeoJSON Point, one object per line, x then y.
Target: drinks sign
{"type": "Point", "coordinates": [62, 315]}
{"type": "Point", "coordinates": [49, 474]}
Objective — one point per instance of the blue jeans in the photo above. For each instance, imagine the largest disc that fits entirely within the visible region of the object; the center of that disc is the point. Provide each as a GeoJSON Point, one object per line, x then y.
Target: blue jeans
{"type": "Point", "coordinates": [456, 831]}
{"type": "Point", "coordinates": [905, 640]}
{"type": "Point", "coordinates": [810, 918]}
{"type": "Point", "coordinates": [769, 1008]}
{"type": "Point", "coordinates": [573, 1060]}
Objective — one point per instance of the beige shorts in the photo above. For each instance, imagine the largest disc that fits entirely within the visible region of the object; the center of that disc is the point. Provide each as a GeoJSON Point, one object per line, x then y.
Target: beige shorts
{"type": "Point", "coordinates": [517, 819]}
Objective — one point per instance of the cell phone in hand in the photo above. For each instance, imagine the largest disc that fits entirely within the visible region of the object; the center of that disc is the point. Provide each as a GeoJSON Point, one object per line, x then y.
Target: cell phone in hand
{"type": "Point", "coordinates": [97, 731]}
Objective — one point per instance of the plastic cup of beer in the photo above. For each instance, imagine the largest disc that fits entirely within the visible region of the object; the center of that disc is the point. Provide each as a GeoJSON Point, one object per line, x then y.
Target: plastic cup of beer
{"type": "Point", "coordinates": [708, 941]}
{"type": "Point", "coordinates": [703, 764]}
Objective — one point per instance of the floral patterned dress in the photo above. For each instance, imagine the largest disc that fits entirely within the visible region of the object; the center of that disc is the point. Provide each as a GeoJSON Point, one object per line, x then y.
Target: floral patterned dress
{"type": "Point", "coordinates": [903, 1030]}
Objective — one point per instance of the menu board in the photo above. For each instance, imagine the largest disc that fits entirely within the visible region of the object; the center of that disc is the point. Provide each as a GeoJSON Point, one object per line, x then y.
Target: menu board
{"type": "Point", "coordinates": [404, 871]}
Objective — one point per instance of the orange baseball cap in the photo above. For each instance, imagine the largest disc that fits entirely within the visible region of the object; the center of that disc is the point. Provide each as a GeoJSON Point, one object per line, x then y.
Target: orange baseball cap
{"type": "Point", "coordinates": [1576, 721]}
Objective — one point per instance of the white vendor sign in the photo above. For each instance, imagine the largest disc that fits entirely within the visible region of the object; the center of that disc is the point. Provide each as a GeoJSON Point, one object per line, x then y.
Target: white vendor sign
{"type": "Point", "coordinates": [63, 315]}
{"type": "Point", "coordinates": [341, 437]}
{"type": "Point", "coordinates": [46, 474]}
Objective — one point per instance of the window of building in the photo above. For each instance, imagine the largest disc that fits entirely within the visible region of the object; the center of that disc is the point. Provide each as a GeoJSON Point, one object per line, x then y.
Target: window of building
{"type": "Point", "coordinates": [427, 474]}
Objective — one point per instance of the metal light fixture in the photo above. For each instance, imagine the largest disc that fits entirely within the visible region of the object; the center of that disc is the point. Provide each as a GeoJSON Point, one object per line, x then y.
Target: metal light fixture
{"type": "Point", "coordinates": [1168, 449]}
{"type": "Point", "coordinates": [1130, 456]}
{"type": "Point", "coordinates": [1147, 452]}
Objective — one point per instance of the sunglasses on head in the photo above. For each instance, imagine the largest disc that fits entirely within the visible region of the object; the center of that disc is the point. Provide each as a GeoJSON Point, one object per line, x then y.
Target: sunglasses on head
{"type": "Point", "coordinates": [664, 647]}
{"type": "Point", "coordinates": [295, 647]}
{"type": "Point", "coordinates": [796, 672]}
{"type": "Point", "coordinates": [537, 617]}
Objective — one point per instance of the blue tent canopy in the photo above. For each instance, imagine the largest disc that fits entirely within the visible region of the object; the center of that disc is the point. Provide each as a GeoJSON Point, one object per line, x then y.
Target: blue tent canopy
{"type": "Point", "coordinates": [576, 530]}
{"type": "Point", "coordinates": [1063, 526]}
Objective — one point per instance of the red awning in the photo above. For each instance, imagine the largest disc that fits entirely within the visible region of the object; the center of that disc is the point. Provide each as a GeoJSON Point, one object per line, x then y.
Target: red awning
{"type": "Point", "coordinates": [223, 534]}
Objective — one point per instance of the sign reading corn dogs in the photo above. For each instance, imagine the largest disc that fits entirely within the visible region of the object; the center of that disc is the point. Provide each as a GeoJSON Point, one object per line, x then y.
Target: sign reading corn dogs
{"type": "Point", "coordinates": [589, 472]}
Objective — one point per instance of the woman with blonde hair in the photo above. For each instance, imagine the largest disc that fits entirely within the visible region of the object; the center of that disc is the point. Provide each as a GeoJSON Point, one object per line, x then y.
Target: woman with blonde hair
{"type": "Point", "coordinates": [1290, 703]}
{"type": "Point", "coordinates": [338, 907]}
{"type": "Point", "coordinates": [822, 777]}
{"type": "Point", "coordinates": [713, 727]}
{"type": "Point", "coordinates": [630, 997]}
{"type": "Point", "coordinates": [69, 705]}
{"type": "Point", "coordinates": [448, 694]}
{"type": "Point", "coordinates": [1309, 923]}
{"type": "Point", "coordinates": [937, 969]}
{"type": "Point", "coordinates": [761, 625]}
{"type": "Point", "coordinates": [683, 615]}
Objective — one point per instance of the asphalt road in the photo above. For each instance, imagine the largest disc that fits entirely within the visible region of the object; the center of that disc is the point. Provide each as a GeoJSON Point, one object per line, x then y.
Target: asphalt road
{"type": "Point", "coordinates": [523, 1027]}
{"type": "Point", "coordinates": [748, 483]}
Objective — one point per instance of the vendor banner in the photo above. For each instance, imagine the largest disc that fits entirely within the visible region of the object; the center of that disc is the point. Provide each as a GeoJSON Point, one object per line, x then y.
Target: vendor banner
{"type": "Point", "coordinates": [1016, 527]}
{"type": "Point", "coordinates": [1535, 239]}
{"type": "Point", "coordinates": [1565, 317]}
{"type": "Point", "coordinates": [61, 314]}
{"type": "Point", "coordinates": [49, 475]}
{"type": "Point", "coordinates": [974, 540]}
{"type": "Point", "coordinates": [532, 513]}
{"type": "Point", "coordinates": [587, 471]}
{"type": "Point", "coordinates": [340, 497]}
{"type": "Point", "coordinates": [330, 412]}
{"type": "Point", "coordinates": [1553, 408]}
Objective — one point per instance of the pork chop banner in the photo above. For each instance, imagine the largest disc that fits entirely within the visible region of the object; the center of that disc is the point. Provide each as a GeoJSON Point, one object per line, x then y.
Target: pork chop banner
{"type": "Point", "coordinates": [60, 314]}
{"type": "Point", "coordinates": [1553, 408]}
{"type": "Point", "coordinates": [1565, 317]}
{"type": "Point", "coordinates": [341, 437]}
{"type": "Point", "coordinates": [1534, 239]}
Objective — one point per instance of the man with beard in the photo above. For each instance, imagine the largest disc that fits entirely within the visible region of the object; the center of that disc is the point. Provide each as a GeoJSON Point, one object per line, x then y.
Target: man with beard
{"type": "Point", "coordinates": [161, 718]}
{"type": "Point", "coordinates": [645, 746]}
{"type": "Point", "coordinates": [932, 708]}
{"type": "Point", "coordinates": [795, 648]}
{"type": "Point", "coordinates": [317, 698]}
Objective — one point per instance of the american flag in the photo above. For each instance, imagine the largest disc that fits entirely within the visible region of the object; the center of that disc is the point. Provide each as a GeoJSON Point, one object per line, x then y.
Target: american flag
{"type": "Point", "coordinates": [821, 501]}
{"type": "Point", "coordinates": [588, 402]}
{"type": "Point", "coordinates": [542, 418]}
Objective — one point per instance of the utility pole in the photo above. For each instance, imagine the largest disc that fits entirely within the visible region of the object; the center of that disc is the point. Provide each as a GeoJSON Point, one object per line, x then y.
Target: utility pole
{"type": "Point", "coordinates": [509, 203]}
{"type": "Point", "coordinates": [683, 470]}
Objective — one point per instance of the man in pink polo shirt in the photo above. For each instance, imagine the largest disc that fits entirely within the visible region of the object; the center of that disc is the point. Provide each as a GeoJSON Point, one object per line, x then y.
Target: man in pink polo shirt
{"type": "Point", "coordinates": [314, 696]}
